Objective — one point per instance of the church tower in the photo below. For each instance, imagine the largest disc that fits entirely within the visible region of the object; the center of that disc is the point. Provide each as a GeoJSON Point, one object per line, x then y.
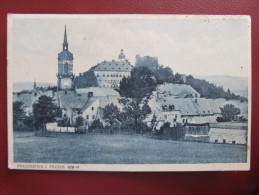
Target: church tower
{"type": "Point", "coordinates": [65, 74]}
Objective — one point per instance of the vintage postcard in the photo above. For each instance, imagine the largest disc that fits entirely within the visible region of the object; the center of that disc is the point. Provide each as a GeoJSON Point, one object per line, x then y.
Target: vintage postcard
{"type": "Point", "coordinates": [129, 92]}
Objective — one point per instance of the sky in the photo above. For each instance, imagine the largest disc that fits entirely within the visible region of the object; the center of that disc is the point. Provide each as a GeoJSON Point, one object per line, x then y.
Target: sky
{"type": "Point", "coordinates": [197, 45]}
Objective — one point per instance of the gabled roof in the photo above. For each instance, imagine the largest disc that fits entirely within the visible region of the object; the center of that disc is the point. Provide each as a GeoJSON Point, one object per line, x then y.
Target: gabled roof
{"type": "Point", "coordinates": [178, 90]}
{"type": "Point", "coordinates": [70, 99]}
{"type": "Point", "coordinates": [98, 91]}
{"type": "Point", "coordinates": [119, 66]}
{"type": "Point", "coordinates": [89, 102]}
{"type": "Point", "coordinates": [190, 106]}
{"type": "Point", "coordinates": [216, 104]}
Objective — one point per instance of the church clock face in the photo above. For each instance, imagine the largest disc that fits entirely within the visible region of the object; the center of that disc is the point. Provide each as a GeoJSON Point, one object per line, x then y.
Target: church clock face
{"type": "Point", "coordinates": [66, 83]}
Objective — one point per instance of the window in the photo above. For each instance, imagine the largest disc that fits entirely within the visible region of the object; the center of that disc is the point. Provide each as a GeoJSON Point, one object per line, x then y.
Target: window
{"type": "Point", "coordinates": [93, 117]}
{"type": "Point", "coordinates": [103, 75]}
{"type": "Point", "coordinates": [92, 108]}
{"type": "Point", "coordinates": [224, 141]}
{"type": "Point", "coordinates": [195, 95]}
{"type": "Point", "coordinates": [175, 120]}
{"type": "Point", "coordinates": [107, 75]}
{"type": "Point", "coordinates": [183, 120]}
{"type": "Point", "coordinates": [87, 116]}
{"type": "Point", "coordinates": [216, 140]}
{"type": "Point", "coordinates": [97, 75]}
{"type": "Point", "coordinates": [175, 115]}
{"type": "Point", "coordinates": [66, 67]}
{"type": "Point", "coordinates": [233, 142]}
{"type": "Point", "coordinates": [165, 116]}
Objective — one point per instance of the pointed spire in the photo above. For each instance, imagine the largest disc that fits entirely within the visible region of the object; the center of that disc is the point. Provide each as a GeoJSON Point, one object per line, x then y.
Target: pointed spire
{"type": "Point", "coordinates": [34, 87]}
{"type": "Point", "coordinates": [65, 44]}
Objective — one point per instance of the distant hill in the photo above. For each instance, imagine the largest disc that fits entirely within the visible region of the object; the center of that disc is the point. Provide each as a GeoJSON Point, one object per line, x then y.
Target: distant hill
{"type": "Point", "coordinates": [237, 85]}
{"type": "Point", "coordinates": [17, 87]}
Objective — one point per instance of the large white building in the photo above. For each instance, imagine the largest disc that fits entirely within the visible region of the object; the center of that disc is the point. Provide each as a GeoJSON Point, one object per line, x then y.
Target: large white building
{"type": "Point", "coordinates": [110, 73]}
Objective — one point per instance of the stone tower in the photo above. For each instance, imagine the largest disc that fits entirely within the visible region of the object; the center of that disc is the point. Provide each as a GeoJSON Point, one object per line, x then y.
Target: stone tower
{"type": "Point", "coordinates": [65, 74]}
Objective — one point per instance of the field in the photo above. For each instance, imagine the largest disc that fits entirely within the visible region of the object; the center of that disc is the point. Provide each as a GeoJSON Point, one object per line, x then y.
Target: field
{"type": "Point", "coordinates": [120, 149]}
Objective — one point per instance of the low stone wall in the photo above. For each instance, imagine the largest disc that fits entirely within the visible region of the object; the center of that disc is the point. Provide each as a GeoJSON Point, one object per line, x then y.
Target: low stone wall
{"type": "Point", "coordinates": [54, 127]}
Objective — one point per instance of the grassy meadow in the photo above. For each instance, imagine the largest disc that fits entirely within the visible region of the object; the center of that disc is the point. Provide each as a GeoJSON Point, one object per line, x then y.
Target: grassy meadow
{"type": "Point", "coordinates": [120, 149]}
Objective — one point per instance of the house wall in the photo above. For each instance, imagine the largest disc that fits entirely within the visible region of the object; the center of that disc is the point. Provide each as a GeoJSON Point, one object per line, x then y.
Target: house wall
{"type": "Point", "coordinates": [90, 114]}
{"type": "Point", "coordinates": [110, 78]}
{"type": "Point", "coordinates": [173, 117]}
{"type": "Point", "coordinates": [231, 136]}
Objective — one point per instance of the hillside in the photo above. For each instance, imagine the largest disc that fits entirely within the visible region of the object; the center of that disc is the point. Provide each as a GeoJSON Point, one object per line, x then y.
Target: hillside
{"type": "Point", "coordinates": [237, 85]}
{"type": "Point", "coordinates": [19, 86]}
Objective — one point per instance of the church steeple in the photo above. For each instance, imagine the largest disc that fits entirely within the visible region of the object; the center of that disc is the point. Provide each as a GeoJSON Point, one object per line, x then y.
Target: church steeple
{"type": "Point", "coordinates": [65, 44]}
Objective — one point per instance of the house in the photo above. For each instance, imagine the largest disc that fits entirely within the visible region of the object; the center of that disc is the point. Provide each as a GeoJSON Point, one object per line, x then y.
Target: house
{"type": "Point", "coordinates": [110, 73]}
{"type": "Point", "coordinates": [191, 109]}
{"type": "Point", "coordinates": [228, 133]}
{"type": "Point", "coordinates": [169, 90]}
{"type": "Point", "coordinates": [216, 104]}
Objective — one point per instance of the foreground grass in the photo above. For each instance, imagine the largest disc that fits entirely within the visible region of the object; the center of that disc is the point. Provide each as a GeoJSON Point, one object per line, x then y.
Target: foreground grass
{"type": "Point", "coordinates": [119, 149]}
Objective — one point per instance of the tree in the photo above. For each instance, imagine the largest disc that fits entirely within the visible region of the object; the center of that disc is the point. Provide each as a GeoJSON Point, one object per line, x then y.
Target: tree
{"type": "Point", "coordinates": [153, 121]}
{"type": "Point", "coordinates": [229, 113]}
{"type": "Point", "coordinates": [45, 111]}
{"type": "Point", "coordinates": [79, 121]}
{"type": "Point", "coordinates": [178, 78]}
{"type": "Point", "coordinates": [112, 114]}
{"type": "Point", "coordinates": [136, 90]}
{"type": "Point", "coordinates": [164, 74]}
{"type": "Point", "coordinates": [18, 112]}
{"type": "Point", "coordinates": [86, 79]}
{"type": "Point", "coordinates": [97, 124]}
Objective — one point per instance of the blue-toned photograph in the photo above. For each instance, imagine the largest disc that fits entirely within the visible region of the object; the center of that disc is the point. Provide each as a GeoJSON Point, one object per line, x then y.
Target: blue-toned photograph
{"type": "Point", "coordinates": [129, 90]}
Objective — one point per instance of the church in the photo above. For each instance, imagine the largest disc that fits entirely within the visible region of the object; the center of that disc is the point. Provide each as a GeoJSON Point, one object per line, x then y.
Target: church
{"type": "Point", "coordinates": [65, 74]}
{"type": "Point", "coordinates": [87, 102]}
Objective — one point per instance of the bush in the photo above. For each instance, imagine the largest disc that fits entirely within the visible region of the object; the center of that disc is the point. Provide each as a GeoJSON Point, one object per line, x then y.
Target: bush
{"type": "Point", "coordinates": [96, 124]}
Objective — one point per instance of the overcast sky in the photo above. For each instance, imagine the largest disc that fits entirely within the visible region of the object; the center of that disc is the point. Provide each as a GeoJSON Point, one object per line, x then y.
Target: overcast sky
{"type": "Point", "coordinates": [189, 45]}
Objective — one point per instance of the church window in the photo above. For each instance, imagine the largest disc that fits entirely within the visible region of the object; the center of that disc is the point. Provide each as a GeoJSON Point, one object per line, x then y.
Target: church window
{"type": "Point", "coordinates": [66, 67]}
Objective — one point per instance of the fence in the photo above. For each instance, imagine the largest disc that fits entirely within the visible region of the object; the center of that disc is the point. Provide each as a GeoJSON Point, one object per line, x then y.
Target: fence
{"type": "Point", "coordinates": [54, 127]}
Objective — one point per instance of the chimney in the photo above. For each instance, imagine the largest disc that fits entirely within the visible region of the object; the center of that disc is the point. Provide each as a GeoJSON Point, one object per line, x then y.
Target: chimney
{"type": "Point", "coordinates": [90, 94]}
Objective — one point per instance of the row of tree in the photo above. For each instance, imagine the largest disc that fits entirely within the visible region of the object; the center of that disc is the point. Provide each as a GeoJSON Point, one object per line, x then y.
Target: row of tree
{"type": "Point", "coordinates": [45, 111]}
